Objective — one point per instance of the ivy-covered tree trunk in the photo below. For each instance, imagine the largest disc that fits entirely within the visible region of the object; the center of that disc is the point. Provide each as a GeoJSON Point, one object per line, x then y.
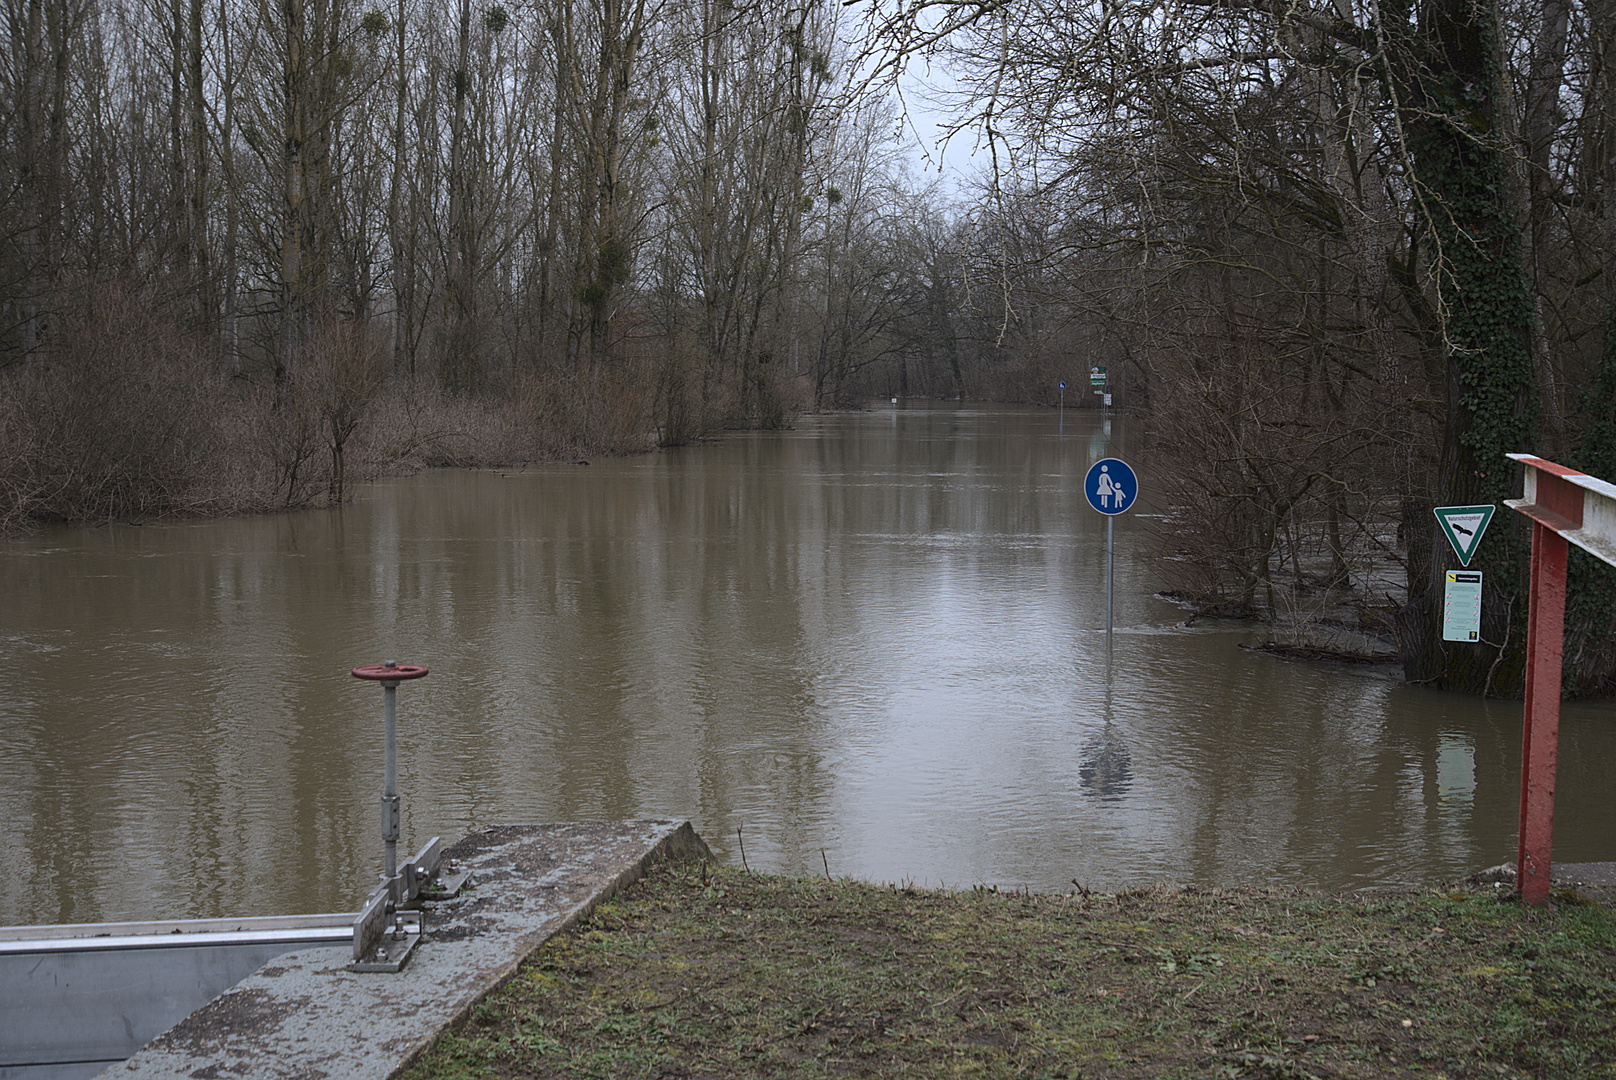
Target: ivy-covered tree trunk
{"type": "Point", "coordinates": [1462, 182]}
{"type": "Point", "coordinates": [1590, 644]}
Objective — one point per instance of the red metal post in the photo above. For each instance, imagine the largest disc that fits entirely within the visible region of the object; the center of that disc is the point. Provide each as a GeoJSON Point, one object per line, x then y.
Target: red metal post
{"type": "Point", "coordinates": [1556, 507]}
{"type": "Point", "coordinates": [1540, 732]}
{"type": "Point", "coordinates": [1566, 507]}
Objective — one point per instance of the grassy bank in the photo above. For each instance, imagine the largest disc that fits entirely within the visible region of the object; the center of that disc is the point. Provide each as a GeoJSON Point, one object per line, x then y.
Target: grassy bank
{"type": "Point", "coordinates": [703, 972]}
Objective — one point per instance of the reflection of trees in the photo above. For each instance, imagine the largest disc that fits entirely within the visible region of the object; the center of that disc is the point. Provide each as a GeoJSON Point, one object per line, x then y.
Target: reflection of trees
{"type": "Point", "coordinates": [663, 646]}
{"type": "Point", "coordinates": [1266, 774]}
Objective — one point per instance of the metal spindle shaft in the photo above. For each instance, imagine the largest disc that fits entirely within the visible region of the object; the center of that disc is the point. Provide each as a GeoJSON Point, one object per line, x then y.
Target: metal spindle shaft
{"type": "Point", "coordinates": [390, 675]}
{"type": "Point", "coordinates": [390, 807]}
{"type": "Point", "coordinates": [1110, 568]}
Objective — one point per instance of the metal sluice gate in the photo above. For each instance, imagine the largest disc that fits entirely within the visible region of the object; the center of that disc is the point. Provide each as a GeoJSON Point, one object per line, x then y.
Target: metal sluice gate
{"type": "Point", "coordinates": [76, 999]}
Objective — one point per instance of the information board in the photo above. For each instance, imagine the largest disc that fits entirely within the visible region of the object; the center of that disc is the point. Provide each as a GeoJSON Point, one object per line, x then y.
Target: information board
{"type": "Point", "coordinates": [1461, 606]}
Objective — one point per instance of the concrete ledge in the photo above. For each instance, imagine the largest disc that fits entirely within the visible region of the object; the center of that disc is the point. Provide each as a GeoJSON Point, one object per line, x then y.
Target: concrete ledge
{"type": "Point", "coordinates": [305, 1016]}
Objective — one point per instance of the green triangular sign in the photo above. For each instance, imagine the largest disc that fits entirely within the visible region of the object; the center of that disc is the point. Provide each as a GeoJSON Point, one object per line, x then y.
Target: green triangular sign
{"type": "Point", "coordinates": [1463, 526]}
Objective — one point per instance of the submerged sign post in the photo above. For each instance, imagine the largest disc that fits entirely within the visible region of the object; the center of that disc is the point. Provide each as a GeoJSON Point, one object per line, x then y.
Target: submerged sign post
{"type": "Point", "coordinates": [1110, 487]}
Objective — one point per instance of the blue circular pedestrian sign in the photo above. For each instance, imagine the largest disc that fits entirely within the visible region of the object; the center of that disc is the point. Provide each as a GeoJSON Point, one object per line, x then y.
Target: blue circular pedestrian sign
{"type": "Point", "coordinates": [1110, 486]}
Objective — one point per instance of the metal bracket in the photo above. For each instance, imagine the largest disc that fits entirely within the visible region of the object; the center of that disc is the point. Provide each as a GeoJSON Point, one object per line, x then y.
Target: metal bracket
{"type": "Point", "coordinates": [389, 925]}
{"type": "Point", "coordinates": [428, 877]}
{"type": "Point", "coordinates": [447, 884]}
{"type": "Point", "coordinates": [390, 817]}
{"type": "Point", "coordinates": [371, 922]}
{"type": "Point", "coordinates": [390, 946]}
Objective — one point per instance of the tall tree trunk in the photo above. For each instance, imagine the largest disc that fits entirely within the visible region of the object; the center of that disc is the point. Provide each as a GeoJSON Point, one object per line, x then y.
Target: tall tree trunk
{"type": "Point", "coordinates": [553, 320]}
{"type": "Point", "coordinates": [460, 364]}
{"type": "Point", "coordinates": [207, 305]}
{"type": "Point", "coordinates": [1462, 172]}
{"type": "Point", "coordinates": [229, 315]}
{"type": "Point", "coordinates": [35, 182]}
{"type": "Point", "coordinates": [1542, 115]}
{"type": "Point", "coordinates": [395, 191]}
{"type": "Point", "coordinates": [294, 299]}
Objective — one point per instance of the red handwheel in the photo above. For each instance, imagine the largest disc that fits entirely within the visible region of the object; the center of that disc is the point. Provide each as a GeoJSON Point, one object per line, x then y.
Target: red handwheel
{"type": "Point", "coordinates": [389, 672]}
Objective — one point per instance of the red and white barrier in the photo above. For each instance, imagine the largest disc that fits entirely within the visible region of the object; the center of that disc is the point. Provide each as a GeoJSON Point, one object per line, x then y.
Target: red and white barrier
{"type": "Point", "coordinates": [1566, 507]}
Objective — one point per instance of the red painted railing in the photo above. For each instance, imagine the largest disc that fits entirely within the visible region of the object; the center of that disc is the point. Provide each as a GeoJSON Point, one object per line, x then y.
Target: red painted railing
{"type": "Point", "coordinates": [1566, 507]}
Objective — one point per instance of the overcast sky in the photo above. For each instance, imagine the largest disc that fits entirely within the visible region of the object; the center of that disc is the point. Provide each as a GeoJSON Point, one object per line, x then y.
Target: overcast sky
{"type": "Point", "coordinates": [923, 86]}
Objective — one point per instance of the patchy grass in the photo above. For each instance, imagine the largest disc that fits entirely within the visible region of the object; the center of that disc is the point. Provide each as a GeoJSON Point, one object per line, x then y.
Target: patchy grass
{"type": "Point", "coordinates": [705, 972]}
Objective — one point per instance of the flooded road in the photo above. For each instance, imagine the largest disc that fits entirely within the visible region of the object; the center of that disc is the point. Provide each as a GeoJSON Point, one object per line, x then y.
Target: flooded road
{"type": "Point", "coordinates": [875, 642]}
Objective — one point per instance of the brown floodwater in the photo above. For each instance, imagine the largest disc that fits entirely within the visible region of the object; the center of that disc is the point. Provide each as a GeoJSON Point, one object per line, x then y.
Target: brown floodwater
{"type": "Point", "coordinates": [874, 643]}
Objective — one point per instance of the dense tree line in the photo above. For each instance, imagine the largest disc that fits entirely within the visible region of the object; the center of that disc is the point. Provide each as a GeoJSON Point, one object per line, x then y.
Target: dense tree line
{"type": "Point", "coordinates": [1342, 257]}
{"type": "Point", "coordinates": [1346, 255]}
{"type": "Point", "coordinates": [317, 236]}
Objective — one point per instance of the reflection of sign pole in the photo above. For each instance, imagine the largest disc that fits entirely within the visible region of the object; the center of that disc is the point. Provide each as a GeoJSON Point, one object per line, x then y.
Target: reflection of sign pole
{"type": "Point", "coordinates": [1565, 506]}
{"type": "Point", "coordinates": [1111, 488]}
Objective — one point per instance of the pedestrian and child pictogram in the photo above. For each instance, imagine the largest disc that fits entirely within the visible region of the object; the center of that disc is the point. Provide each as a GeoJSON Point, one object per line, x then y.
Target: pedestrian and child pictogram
{"type": "Point", "coordinates": [1110, 486]}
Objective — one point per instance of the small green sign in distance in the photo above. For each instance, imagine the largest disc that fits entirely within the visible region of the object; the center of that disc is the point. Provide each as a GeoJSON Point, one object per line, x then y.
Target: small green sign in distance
{"type": "Point", "coordinates": [1464, 526]}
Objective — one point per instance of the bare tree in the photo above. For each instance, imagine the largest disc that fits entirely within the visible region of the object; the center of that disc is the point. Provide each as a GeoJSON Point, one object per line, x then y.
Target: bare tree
{"type": "Point", "coordinates": [1342, 176]}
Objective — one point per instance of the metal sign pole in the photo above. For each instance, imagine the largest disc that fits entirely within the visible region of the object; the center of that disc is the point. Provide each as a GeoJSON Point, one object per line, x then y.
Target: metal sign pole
{"type": "Point", "coordinates": [1110, 568]}
{"type": "Point", "coordinates": [1540, 728]}
{"type": "Point", "coordinates": [1110, 488]}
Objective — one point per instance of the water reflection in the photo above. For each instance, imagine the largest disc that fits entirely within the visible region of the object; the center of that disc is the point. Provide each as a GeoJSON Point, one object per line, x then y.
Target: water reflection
{"type": "Point", "coordinates": [1100, 441]}
{"type": "Point", "coordinates": [1105, 765]}
{"type": "Point", "coordinates": [1455, 772]}
{"type": "Point", "coordinates": [880, 636]}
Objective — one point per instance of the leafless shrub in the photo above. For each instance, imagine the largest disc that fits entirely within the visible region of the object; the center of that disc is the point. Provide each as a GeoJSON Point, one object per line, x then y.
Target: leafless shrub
{"type": "Point", "coordinates": [19, 476]}
{"type": "Point", "coordinates": [121, 419]}
{"type": "Point", "coordinates": [127, 417]}
{"type": "Point", "coordinates": [310, 433]}
{"type": "Point", "coordinates": [1264, 461]}
{"type": "Point", "coordinates": [679, 405]}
